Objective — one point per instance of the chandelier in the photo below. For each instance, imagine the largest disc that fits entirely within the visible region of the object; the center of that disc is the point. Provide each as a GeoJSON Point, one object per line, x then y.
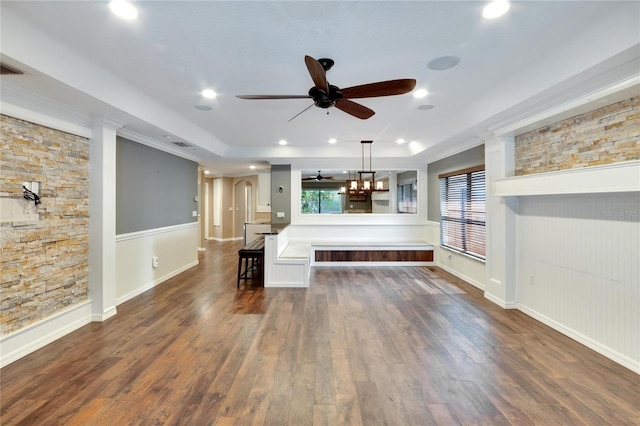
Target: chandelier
{"type": "Point", "coordinates": [363, 180]}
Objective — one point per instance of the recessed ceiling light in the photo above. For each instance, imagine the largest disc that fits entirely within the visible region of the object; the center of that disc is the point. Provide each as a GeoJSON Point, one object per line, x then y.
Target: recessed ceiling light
{"type": "Point", "coordinates": [252, 167]}
{"type": "Point", "coordinates": [400, 141]}
{"type": "Point", "coordinates": [332, 141]}
{"type": "Point", "coordinates": [443, 63]}
{"type": "Point", "coordinates": [203, 107]}
{"type": "Point", "coordinates": [123, 9]}
{"type": "Point", "coordinates": [420, 93]}
{"type": "Point", "coordinates": [425, 107]}
{"type": "Point", "coordinates": [206, 172]}
{"type": "Point", "coordinates": [495, 9]}
{"type": "Point", "coordinates": [282, 142]}
{"type": "Point", "coordinates": [209, 94]}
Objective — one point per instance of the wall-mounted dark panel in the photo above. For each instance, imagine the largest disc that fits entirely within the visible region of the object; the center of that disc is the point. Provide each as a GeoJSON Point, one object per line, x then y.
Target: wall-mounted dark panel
{"type": "Point", "coordinates": [154, 189]}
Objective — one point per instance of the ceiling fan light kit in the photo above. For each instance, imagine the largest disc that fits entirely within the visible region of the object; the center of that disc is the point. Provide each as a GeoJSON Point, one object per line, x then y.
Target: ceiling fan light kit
{"type": "Point", "coordinates": [326, 95]}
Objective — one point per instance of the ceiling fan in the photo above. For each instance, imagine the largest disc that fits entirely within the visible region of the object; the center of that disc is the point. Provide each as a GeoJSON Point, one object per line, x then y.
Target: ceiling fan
{"type": "Point", "coordinates": [326, 95]}
{"type": "Point", "coordinates": [319, 177]}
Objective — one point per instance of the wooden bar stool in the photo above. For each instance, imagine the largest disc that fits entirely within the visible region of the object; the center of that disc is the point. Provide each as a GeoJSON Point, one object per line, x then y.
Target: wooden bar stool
{"type": "Point", "coordinates": [250, 259]}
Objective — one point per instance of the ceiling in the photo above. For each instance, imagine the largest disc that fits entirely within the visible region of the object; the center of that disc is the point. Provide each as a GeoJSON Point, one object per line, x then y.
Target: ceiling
{"type": "Point", "coordinates": [539, 61]}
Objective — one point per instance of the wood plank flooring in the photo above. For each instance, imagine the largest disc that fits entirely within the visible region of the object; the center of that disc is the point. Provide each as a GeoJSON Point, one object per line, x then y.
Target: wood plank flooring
{"type": "Point", "coordinates": [361, 346]}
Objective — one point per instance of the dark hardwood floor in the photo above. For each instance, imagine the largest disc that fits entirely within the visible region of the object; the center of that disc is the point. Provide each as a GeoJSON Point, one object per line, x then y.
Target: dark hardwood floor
{"type": "Point", "coordinates": [361, 346]}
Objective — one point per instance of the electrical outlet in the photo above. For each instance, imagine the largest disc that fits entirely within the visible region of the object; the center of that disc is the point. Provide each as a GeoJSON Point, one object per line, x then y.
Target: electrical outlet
{"type": "Point", "coordinates": [532, 280]}
{"type": "Point", "coordinates": [154, 261]}
{"type": "Point", "coordinates": [280, 215]}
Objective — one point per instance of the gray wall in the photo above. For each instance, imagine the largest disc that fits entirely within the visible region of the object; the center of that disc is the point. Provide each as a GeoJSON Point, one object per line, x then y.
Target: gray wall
{"type": "Point", "coordinates": [465, 159]}
{"type": "Point", "coordinates": [153, 188]}
{"type": "Point", "coordinates": [281, 201]}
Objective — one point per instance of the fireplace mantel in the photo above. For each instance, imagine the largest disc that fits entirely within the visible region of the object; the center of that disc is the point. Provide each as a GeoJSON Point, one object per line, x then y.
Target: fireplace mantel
{"type": "Point", "coordinates": [609, 178]}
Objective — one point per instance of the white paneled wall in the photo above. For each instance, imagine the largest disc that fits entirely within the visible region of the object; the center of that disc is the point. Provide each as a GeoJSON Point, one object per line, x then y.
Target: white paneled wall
{"type": "Point", "coordinates": [577, 269]}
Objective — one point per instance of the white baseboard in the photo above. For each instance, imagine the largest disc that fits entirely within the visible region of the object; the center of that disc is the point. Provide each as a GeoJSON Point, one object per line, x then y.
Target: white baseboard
{"type": "Point", "coordinates": [154, 283]}
{"type": "Point", "coordinates": [286, 285]}
{"type": "Point", "coordinates": [621, 359]}
{"type": "Point", "coordinates": [225, 239]}
{"type": "Point", "coordinates": [110, 312]}
{"type": "Point", "coordinates": [500, 302]}
{"type": "Point", "coordinates": [22, 342]}
{"type": "Point", "coordinates": [463, 277]}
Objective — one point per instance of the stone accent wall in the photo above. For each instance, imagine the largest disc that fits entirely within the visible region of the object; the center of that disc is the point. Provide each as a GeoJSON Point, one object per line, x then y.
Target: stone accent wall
{"type": "Point", "coordinates": [44, 262]}
{"type": "Point", "coordinates": [606, 135]}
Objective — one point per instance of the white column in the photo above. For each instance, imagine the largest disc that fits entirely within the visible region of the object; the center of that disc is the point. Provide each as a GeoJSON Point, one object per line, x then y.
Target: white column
{"type": "Point", "coordinates": [102, 221]}
{"type": "Point", "coordinates": [500, 286]}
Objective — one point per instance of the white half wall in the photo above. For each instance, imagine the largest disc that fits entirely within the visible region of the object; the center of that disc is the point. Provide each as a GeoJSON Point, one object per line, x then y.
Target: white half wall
{"type": "Point", "coordinates": [176, 248]}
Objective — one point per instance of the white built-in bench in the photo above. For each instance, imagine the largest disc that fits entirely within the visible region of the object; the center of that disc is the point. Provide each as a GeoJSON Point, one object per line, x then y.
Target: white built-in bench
{"type": "Point", "coordinates": [360, 252]}
{"type": "Point", "coordinates": [301, 247]}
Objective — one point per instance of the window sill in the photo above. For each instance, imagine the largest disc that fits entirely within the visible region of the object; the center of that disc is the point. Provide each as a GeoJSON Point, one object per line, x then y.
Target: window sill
{"type": "Point", "coordinates": [449, 249]}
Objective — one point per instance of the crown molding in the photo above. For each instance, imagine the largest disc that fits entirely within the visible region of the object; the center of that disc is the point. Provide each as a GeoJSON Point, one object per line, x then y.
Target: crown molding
{"type": "Point", "coordinates": [28, 106]}
{"type": "Point", "coordinates": [145, 140]}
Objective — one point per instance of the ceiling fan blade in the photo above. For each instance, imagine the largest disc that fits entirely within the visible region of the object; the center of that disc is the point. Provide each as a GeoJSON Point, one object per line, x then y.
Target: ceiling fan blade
{"type": "Point", "coordinates": [273, 96]}
{"type": "Point", "coordinates": [354, 109]}
{"type": "Point", "coordinates": [382, 88]}
{"type": "Point", "coordinates": [300, 112]}
{"type": "Point", "coordinates": [317, 73]}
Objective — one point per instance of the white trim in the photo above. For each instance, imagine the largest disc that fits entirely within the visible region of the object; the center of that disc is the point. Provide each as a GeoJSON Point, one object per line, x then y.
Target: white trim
{"type": "Point", "coordinates": [45, 120]}
{"type": "Point", "coordinates": [154, 283]}
{"type": "Point", "coordinates": [225, 239]}
{"type": "Point", "coordinates": [463, 277]}
{"type": "Point", "coordinates": [110, 312]}
{"type": "Point", "coordinates": [500, 302]}
{"type": "Point", "coordinates": [568, 109]}
{"type": "Point", "coordinates": [166, 147]}
{"type": "Point", "coordinates": [460, 253]}
{"type": "Point", "coordinates": [20, 343]}
{"type": "Point", "coordinates": [621, 359]}
{"type": "Point", "coordinates": [286, 284]}
{"type": "Point", "coordinates": [608, 178]}
{"type": "Point", "coordinates": [155, 231]}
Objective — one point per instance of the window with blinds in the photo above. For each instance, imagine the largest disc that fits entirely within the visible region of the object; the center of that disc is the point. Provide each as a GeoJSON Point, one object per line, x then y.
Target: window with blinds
{"type": "Point", "coordinates": [408, 198]}
{"type": "Point", "coordinates": [462, 211]}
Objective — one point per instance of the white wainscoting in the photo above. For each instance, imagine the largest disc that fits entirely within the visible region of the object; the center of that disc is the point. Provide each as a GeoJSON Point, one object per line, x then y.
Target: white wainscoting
{"type": "Point", "coordinates": [278, 272]}
{"type": "Point", "coordinates": [175, 246]}
{"type": "Point", "coordinates": [578, 271]}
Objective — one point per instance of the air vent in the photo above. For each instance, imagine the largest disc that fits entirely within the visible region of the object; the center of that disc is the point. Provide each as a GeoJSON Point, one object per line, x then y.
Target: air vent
{"type": "Point", "coordinates": [182, 144]}
{"type": "Point", "coordinates": [5, 70]}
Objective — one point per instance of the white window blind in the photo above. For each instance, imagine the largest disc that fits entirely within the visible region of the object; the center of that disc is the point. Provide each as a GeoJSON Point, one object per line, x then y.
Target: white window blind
{"type": "Point", "coordinates": [462, 211]}
{"type": "Point", "coordinates": [408, 198]}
